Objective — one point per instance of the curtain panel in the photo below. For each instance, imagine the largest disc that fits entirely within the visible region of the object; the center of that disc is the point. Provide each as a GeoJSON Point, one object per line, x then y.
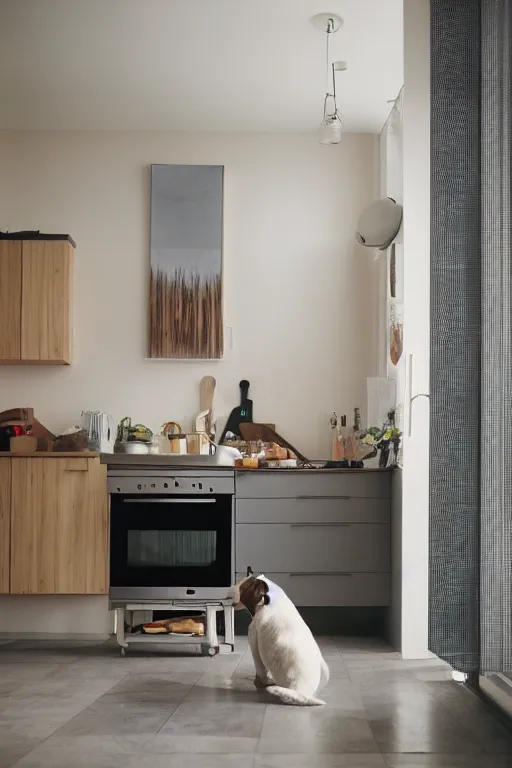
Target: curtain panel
{"type": "Point", "coordinates": [470, 537]}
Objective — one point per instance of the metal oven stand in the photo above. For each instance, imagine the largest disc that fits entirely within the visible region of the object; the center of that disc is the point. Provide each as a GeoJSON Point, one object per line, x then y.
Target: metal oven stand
{"type": "Point", "coordinates": [209, 642]}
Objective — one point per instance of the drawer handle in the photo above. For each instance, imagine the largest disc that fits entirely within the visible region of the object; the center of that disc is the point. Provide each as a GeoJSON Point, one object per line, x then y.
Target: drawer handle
{"type": "Point", "coordinates": [313, 498]}
{"type": "Point", "coordinates": [168, 500]}
{"type": "Point", "coordinates": [76, 465]}
{"type": "Point", "coordinates": [321, 525]}
{"type": "Point", "coordinates": [322, 573]}
{"type": "Point", "coordinates": [76, 469]}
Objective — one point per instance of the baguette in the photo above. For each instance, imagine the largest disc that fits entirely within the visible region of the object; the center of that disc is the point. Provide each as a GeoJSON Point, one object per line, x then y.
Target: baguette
{"type": "Point", "coordinates": [186, 625]}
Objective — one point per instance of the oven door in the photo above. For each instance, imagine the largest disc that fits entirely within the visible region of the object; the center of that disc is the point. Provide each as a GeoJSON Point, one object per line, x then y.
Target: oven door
{"type": "Point", "coordinates": [170, 546]}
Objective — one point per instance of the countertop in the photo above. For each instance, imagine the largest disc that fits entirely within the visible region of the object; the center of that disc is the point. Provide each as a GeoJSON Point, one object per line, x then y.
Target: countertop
{"type": "Point", "coordinates": [124, 460]}
{"type": "Point", "coordinates": [50, 454]}
{"type": "Point", "coordinates": [169, 461]}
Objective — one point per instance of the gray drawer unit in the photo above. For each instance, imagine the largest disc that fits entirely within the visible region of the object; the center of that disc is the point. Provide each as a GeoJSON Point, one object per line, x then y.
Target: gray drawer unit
{"type": "Point", "coordinates": [350, 589]}
{"type": "Point", "coordinates": [312, 484]}
{"type": "Point", "coordinates": [319, 547]}
{"type": "Point", "coordinates": [307, 510]}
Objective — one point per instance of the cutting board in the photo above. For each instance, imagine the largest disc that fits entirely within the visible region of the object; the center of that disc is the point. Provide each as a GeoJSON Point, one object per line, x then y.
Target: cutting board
{"type": "Point", "coordinates": [241, 414]}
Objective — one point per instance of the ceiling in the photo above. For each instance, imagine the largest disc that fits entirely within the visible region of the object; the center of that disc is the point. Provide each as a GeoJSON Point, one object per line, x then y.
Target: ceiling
{"type": "Point", "coordinates": [222, 65]}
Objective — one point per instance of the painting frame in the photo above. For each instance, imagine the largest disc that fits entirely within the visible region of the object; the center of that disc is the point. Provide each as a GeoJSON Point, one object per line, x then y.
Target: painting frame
{"type": "Point", "coordinates": [186, 290]}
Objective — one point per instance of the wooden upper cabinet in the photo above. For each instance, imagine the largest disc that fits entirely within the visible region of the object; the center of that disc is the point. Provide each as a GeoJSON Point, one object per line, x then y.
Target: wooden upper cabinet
{"type": "Point", "coordinates": [36, 285]}
{"type": "Point", "coordinates": [59, 527]}
{"type": "Point", "coordinates": [10, 300]}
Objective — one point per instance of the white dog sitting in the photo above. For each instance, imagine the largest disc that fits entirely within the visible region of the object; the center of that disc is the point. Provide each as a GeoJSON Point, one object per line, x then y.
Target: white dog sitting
{"type": "Point", "coordinates": [288, 661]}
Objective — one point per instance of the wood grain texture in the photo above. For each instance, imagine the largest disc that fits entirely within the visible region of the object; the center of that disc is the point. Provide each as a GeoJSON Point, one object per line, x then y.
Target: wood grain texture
{"type": "Point", "coordinates": [59, 527]}
{"type": "Point", "coordinates": [10, 300]}
{"type": "Point", "coordinates": [47, 279]}
{"type": "Point", "coordinates": [185, 317]}
{"type": "Point", "coordinates": [5, 525]}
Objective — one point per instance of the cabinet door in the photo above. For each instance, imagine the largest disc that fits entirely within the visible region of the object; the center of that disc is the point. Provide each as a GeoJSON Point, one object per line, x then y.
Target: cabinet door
{"type": "Point", "coordinates": [5, 524]}
{"type": "Point", "coordinates": [10, 300]}
{"type": "Point", "coordinates": [46, 301]}
{"type": "Point", "coordinates": [313, 547]}
{"type": "Point", "coordinates": [59, 524]}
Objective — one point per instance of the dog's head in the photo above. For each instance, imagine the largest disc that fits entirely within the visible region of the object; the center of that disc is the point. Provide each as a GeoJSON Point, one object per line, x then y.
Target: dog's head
{"type": "Point", "coordinates": [250, 593]}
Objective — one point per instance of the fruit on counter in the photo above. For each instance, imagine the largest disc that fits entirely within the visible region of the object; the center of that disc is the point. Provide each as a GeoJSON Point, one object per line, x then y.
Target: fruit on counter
{"type": "Point", "coordinates": [127, 433]}
{"type": "Point", "coordinates": [140, 433]}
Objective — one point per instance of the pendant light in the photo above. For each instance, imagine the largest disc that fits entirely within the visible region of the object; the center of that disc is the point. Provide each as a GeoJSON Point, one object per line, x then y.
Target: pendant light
{"type": "Point", "coordinates": [332, 122]}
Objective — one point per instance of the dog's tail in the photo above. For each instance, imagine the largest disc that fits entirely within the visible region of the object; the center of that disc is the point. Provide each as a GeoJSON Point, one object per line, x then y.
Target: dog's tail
{"type": "Point", "coordinates": [289, 696]}
{"type": "Point", "coordinates": [324, 673]}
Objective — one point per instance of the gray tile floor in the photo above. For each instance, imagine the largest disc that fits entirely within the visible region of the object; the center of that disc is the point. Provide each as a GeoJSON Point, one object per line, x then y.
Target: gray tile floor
{"type": "Point", "coordinates": [73, 704]}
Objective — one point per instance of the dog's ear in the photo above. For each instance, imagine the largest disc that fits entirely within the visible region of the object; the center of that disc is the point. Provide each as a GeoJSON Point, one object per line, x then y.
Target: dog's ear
{"type": "Point", "coordinates": [253, 593]}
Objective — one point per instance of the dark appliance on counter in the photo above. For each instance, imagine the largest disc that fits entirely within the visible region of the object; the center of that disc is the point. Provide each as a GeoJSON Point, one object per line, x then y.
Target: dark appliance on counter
{"type": "Point", "coordinates": [171, 536]}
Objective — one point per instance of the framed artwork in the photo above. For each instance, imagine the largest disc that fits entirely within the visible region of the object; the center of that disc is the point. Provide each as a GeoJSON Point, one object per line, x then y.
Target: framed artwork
{"type": "Point", "coordinates": [186, 302]}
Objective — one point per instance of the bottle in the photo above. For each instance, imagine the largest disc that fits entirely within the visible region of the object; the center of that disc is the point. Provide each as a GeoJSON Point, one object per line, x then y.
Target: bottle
{"type": "Point", "coordinates": [357, 421]}
{"type": "Point", "coordinates": [357, 437]}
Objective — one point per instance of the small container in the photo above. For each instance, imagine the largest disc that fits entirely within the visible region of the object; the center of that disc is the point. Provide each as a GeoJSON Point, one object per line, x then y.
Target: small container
{"type": "Point", "coordinates": [176, 445]}
{"type": "Point", "coordinates": [136, 447]}
{"type": "Point", "coordinates": [194, 443]}
{"type": "Point", "coordinates": [163, 443]}
{"type": "Point", "coordinates": [23, 444]}
{"type": "Point", "coordinates": [288, 463]}
{"type": "Point", "coordinates": [154, 445]}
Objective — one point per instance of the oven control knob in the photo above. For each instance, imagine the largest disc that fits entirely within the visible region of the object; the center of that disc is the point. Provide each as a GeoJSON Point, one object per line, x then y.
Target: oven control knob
{"type": "Point", "coordinates": [139, 487]}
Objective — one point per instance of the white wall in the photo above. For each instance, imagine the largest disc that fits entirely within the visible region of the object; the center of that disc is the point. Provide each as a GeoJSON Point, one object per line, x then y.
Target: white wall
{"type": "Point", "coordinates": [391, 177]}
{"type": "Point", "coordinates": [298, 289]}
{"type": "Point", "coordinates": [416, 190]}
{"type": "Point", "coordinates": [391, 181]}
{"type": "Point", "coordinates": [299, 293]}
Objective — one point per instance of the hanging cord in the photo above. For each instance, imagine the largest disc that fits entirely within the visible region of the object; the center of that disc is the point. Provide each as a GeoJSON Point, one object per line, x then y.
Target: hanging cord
{"type": "Point", "coordinates": [329, 71]}
{"type": "Point", "coordinates": [329, 30]}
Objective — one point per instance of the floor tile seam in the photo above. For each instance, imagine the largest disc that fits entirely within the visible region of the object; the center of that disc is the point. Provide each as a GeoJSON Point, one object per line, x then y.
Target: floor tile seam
{"type": "Point", "coordinates": [67, 722]}
{"type": "Point", "coordinates": [258, 740]}
{"type": "Point", "coordinates": [178, 705]}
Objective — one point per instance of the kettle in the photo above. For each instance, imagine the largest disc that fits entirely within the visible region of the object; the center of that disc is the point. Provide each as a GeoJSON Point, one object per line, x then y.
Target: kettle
{"type": "Point", "coordinates": [101, 431]}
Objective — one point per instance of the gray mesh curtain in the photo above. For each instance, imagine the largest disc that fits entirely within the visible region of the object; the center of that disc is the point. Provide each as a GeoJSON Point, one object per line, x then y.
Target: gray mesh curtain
{"type": "Point", "coordinates": [471, 335]}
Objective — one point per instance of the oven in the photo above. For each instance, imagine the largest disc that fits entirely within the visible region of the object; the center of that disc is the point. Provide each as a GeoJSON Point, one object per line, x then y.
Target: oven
{"type": "Point", "coordinates": [171, 536]}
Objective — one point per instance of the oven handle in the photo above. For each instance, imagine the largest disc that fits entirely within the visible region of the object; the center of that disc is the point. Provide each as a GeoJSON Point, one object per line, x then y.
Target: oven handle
{"type": "Point", "coordinates": [169, 501]}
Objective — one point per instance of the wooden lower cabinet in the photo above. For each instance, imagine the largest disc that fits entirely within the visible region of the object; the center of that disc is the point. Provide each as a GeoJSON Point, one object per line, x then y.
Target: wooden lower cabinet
{"type": "Point", "coordinates": [59, 527]}
{"type": "Point", "coordinates": [5, 525]}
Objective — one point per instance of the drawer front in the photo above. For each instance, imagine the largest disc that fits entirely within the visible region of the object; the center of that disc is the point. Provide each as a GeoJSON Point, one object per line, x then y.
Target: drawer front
{"type": "Point", "coordinates": [289, 485]}
{"type": "Point", "coordinates": [306, 547]}
{"type": "Point", "coordinates": [304, 510]}
{"type": "Point", "coordinates": [355, 589]}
